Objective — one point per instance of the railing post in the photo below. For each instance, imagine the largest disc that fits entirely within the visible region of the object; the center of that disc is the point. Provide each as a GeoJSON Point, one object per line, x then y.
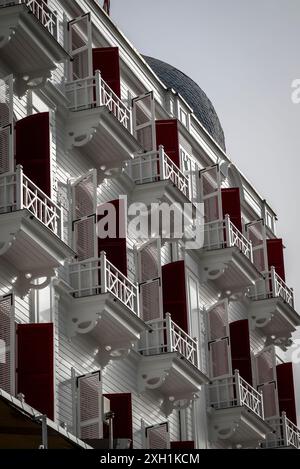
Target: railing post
{"type": "Point", "coordinates": [197, 353]}
{"type": "Point", "coordinates": [262, 404]}
{"type": "Point", "coordinates": [103, 268]}
{"type": "Point", "coordinates": [251, 251]}
{"type": "Point", "coordinates": [237, 382]}
{"type": "Point", "coordinates": [60, 225]}
{"type": "Point", "coordinates": [273, 282]}
{"type": "Point", "coordinates": [227, 231]}
{"type": "Point", "coordinates": [98, 80]}
{"type": "Point", "coordinates": [284, 428]}
{"type": "Point", "coordinates": [19, 187]}
{"type": "Point", "coordinates": [161, 153]}
{"type": "Point", "coordinates": [168, 321]}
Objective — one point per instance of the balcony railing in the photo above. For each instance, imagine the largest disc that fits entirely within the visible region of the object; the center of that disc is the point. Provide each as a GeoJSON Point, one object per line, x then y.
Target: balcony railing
{"type": "Point", "coordinates": [165, 336]}
{"type": "Point", "coordinates": [286, 433]}
{"type": "Point", "coordinates": [221, 234]}
{"type": "Point", "coordinates": [41, 10]}
{"type": "Point", "coordinates": [92, 92]}
{"type": "Point", "coordinates": [157, 166]}
{"type": "Point", "coordinates": [18, 192]}
{"type": "Point", "coordinates": [97, 276]}
{"type": "Point", "coordinates": [273, 287]}
{"type": "Point", "coordinates": [234, 391]}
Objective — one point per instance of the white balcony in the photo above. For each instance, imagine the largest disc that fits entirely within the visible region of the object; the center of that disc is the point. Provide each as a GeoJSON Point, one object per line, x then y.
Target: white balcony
{"type": "Point", "coordinates": [104, 304]}
{"type": "Point", "coordinates": [227, 257]}
{"type": "Point", "coordinates": [99, 123]}
{"type": "Point", "coordinates": [272, 309]}
{"type": "Point", "coordinates": [31, 230]}
{"type": "Point", "coordinates": [285, 434]}
{"type": "Point", "coordinates": [169, 363]}
{"type": "Point", "coordinates": [28, 43]}
{"type": "Point", "coordinates": [236, 412]}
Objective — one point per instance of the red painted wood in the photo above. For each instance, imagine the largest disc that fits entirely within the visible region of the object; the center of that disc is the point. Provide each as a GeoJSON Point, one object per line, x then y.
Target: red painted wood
{"type": "Point", "coordinates": [286, 390]}
{"type": "Point", "coordinates": [174, 293]}
{"type": "Point", "coordinates": [121, 405]}
{"type": "Point", "coordinates": [240, 348]}
{"type": "Point", "coordinates": [182, 445]}
{"type": "Point", "coordinates": [106, 59]}
{"type": "Point", "coordinates": [275, 256]}
{"type": "Point", "coordinates": [167, 135]}
{"type": "Point", "coordinates": [231, 205]}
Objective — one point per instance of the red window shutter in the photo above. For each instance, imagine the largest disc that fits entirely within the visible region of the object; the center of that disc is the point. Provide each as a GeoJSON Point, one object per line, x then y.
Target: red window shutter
{"type": "Point", "coordinates": [33, 149]}
{"type": "Point", "coordinates": [182, 445]}
{"type": "Point", "coordinates": [116, 248]}
{"type": "Point", "coordinates": [121, 405]}
{"type": "Point", "coordinates": [35, 373]}
{"type": "Point", "coordinates": [275, 256]}
{"type": "Point", "coordinates": [174, 293]}
{"type": "Point", "coordinates": [286, 390]}
{"type": "Point", "coordinates": [167, 135]}
{"type": "Point", "coordinates": [231, 205]}
{"type": "Point", "coordinates": [240, 348]}
{"type": "Point", "coordinates": [106, 59]}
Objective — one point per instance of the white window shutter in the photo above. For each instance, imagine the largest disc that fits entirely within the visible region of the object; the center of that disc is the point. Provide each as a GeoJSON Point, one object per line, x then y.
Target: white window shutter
{"type": "Point", "coordinates": [149, 269]}
{"type": "Point", "coordinates": [143, 118]}
{"type": "Point", "coordinates": [158, 437]}
{"type": "Point", "coordinates": [80, 47]}
{"type": "Point", "coordinates": [84, 231]}
{"type": "Point", "coordinates": [266, 380]}
{"type": "Point", "coordinates": [6, 125]}
{"type": "Point", "coordinates": [7, 344]}
{"type": "Point", "coordinates": [89, 405]}
{"type": "Point", "coordinates": [210, 193]}
{"type": "Point", "coordinates": [218, 340]}
{"type": "Point", "coordinates": [256, 233]}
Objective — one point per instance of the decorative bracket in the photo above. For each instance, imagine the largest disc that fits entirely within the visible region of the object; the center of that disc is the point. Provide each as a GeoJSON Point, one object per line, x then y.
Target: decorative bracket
{"type": "Point", "coordinates": [213, 272]}
{"type": "Point", "coordinates": [169, 404]}
{"type": "Point", "coordinates": [151, 380]}
{"type": "Point", "coordinates": [26, 282]}
{"type": "Point", "coordinates": [224, 431]}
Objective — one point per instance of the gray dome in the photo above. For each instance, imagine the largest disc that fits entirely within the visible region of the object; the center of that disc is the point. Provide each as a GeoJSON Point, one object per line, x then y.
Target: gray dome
{"type": "Point", "coordinates": [193, 95]}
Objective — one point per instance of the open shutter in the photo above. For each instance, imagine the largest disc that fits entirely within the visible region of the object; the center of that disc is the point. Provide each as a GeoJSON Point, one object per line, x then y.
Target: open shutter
{"type": "Point", "coordinates": [231, 205]}
{"type": "Point", "coordinates": [256, 233]}
{"type": "Point", "coordinates": [275, 256]}
{"type": "Point", "coordinates": [143, 118]}
{"type": "Point", "coordinates": [121, 406]}
{"type": "Point", "coordinates": [80, 47]}
{"type": "Point", "coordinates": [149, 269]}
{"type": "Point", "coordinates": [174, 293]}
{"type": "Point", "coordinates": [186, 445]}
{"type": "Point", "coordinates": [168, 136]}
{"type": "Point", "coordinates": [84, 238]}
{"type": "Point", "coordinates": [6, 124]}
{"type": "Point", "coordinates": [157, 436]}
{"type": "Point", "coordinates": [89, 402]}
{"type": "Point", "coordinates": [106, 59]}
{"type": "Point", "coordinates": [35, 366]}
{"type": "Point", "coordinates": [286, 390]}
{"type": "Point", "coordinates": [7, 344]}
{"type": "Point", "coordinates": [240, 349]}
{"type": "Point", "coordinates": [266, 380]}
{"type": "Point", "coordinates": [218, 340]}
{"type": "Point", "coordinates": [115, 247]}
{"type": "Point", "coordinates": [33, 149]}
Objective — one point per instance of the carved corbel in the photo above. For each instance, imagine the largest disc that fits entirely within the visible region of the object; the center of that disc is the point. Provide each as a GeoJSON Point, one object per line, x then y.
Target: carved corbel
{"type": "Point", "coordinates": [107, 354]}
{"type": "Point", "coordinates": [79, 138]}
{"type": "Point", "coordinates": [169, 403]}
{"type": "Point", "coordinates": [151, 380]}
{"type": "Point", "coordinates": [213, 272]}
{"type": "Point", "coordinates": [25, 282]}
{"type": "Point", "coordinates": [224, 431]}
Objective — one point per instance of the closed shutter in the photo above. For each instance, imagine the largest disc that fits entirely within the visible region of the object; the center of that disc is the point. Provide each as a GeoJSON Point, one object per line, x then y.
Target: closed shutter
{"type": "Point", "coordinates": [167, 135]}
{"type": "Point", "coordinates": [7, 344]}
{"type": "Point", "coordinates": [33, 149]}
{"type": "Point", "coordinates": [121, 406]}
{"type": "Point", "coordinates": [231, 205]}
{"type": "Point", "coordinates": [143, 119]}
{"type": "Point", "coordinates": [80, 47]}
{"type": "Point", "coordinates": [218, 343]}
{"type": "Point", "coordinates": [266, 380]}
{"type": "Point", "coordinates": [157, 436]}
{"type": "Point", "coordinates": [106, 59]}
{"type": "Point", "coordinates": [174, 293]}
{"type": "Point", "coordinates": [115, 245]}
{"type": "Point", "coordinates": [6, 124]}
{"type": "Point", "coordinates": [84, 232]}
{"type": "Point", "coordinates": [256, 233]}
{"type": "Point", "coordinates": [149, 270]}
{"type": "Point", "coordinates": [35, 366]}
{"type": "Point", "coordinates": [210, 193]}
{"type": "Point", "coordinates": [286, 390]}
{"type": "Point", "coordinates": [186, 445]}
{"type": "Point", "coordinates": [275, 256]}
{"type": "Point", "coordinates": [89, 404]}
{"type": "Point", "coordinates": [240, 348]}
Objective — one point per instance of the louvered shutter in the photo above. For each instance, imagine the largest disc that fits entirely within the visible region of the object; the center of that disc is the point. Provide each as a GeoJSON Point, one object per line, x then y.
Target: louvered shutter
{"type": "Point", "coordinates": [256, 233]}
{"type": "Point", "coordinates": [240, 349]}
{"type": "Point", "coordinates": [6, 124]}
{"type": "Point", "coordinates": [115, 247]}
{"type": "Point", "coordinates": [33, 149]}
{"type": "Point", "coordinates": [168, 136]}
{"type": "Point", "coordinates": [218, 343]}
{"type": "Point", "coordinates": [7, 344]}
{"type": "Point", "coordinates": [231, 205]}
{"type": "Point", "coordinates": [89, 404]}
{"type": "Point", "coordinates": [121, 405]}
{"type": "Point", "coordinates": [149, 270]}
{"type": "Point", "coordinates": [286, 390]}
{"type": "Point", "coordinates": [143, 118]}
{"type": "Point", "coordinates": [174, 293]}
{"type": "Point", "coordinates": [106, 59]}
{"type": "Point", "coordinates": [266, 380]}
{"type": "Point", "coordinates": [210, 196]}
{"type": "Point", "coordinates": [186, 445]}
{"type": "Point", "coordinates": [35, 366]}
{"type": "Point", "coordinates": [275, 256]}
{"type": "Point", "coordinates": [158, 436]}
{"type": "Point", "coordinates": [80, 47]}
{"type": "Point", "coordinates": [84, 232]}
